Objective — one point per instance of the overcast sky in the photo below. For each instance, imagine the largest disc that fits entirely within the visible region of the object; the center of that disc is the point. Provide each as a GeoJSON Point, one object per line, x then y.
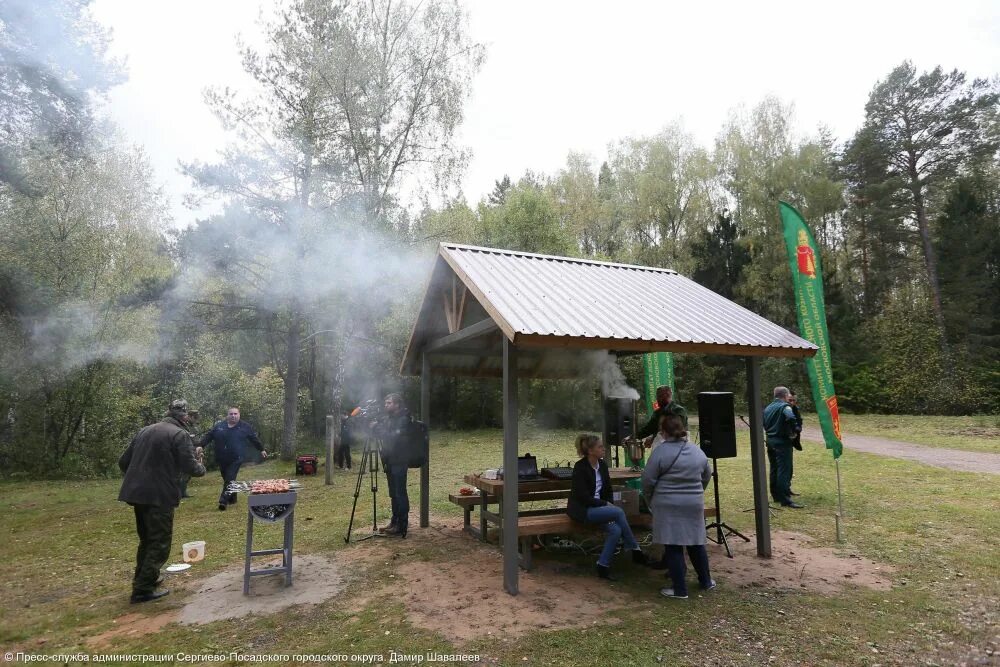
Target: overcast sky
{"type": "Point", "coordinates": [565, 75]}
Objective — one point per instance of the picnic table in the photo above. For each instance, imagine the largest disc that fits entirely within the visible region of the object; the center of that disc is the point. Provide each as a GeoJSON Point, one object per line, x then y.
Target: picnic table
{"type": "Point", "coordinates": [536, 521]}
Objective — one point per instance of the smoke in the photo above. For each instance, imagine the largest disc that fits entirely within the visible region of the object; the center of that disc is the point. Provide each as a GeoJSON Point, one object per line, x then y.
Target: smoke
{"type": "Point", "coordinates": [75, 334]}
{"type": "Point", "coordinates": [613, 384]}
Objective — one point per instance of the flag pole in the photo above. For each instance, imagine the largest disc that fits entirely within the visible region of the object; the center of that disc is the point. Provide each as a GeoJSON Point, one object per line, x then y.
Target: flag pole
{"type": "Point", "coordinates": [839, 516]}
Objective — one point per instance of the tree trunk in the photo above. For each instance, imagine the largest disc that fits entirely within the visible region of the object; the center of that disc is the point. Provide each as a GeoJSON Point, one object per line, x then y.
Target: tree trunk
{"type": "Point", "coordinates": [930, 261]}
{"type": "Point", "coordinates": [291, 385]}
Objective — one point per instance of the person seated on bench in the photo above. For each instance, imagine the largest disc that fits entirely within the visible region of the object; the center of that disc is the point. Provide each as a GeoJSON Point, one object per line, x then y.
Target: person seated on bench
{"type": "Point", "coordinates": [590, 502]}
{"type": "Point", "coordinates": [673, 484]}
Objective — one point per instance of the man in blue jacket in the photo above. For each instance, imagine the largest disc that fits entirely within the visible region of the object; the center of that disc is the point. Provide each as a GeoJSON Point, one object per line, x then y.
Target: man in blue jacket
{"type": "Point", "coordinates": [230, 439]}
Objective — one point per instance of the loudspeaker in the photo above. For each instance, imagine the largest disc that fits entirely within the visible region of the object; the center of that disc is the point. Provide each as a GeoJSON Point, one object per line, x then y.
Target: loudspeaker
{"type": "Point", "coordinates": [717, 424]}
{"type": "Point", "coordinates": [618, 421]}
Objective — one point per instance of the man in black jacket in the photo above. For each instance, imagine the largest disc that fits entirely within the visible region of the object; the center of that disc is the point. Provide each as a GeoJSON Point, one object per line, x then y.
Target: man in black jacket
{"type": "Point", "coordinates": [392, 429]}
{"type": "Point", "coordinates": [796, 438]}
{"type": "Point", "coordinates": [230, 439]}
{"type": "Point", "coordinates": [152, 464]}
{"type": "Point", "coordinates": [665, 405]}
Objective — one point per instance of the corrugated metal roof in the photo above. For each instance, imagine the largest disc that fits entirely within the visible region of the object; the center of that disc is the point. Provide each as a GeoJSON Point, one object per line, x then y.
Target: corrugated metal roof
{"type": "Point", "coordinates": [566, 302]}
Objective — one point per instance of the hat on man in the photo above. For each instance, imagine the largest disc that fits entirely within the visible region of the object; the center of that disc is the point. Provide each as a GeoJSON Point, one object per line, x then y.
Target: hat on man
{"type": "Point", "coordinates": [179, 405]}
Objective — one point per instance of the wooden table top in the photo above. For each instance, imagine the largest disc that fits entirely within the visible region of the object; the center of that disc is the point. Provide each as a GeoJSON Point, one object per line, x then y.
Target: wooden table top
{"type": "Point", "coordinates": [495, 486]}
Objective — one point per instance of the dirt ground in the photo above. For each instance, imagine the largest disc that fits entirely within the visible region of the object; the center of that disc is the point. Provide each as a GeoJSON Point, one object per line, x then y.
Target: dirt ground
{"type": "Point", "coordinates": [439, 596]}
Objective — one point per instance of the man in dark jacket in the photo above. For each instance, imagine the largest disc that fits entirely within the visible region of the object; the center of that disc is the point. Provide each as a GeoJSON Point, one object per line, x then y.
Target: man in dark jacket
{"type": "Point", "coordinates": [190, 422]}
{"type": "Point", "coordinates": [152, 464]}
{"type": "Point", "coordinates": [779, 427]}
{"type": "Point", "coordinates": [230, 438]}
{"type": "Point", "coordinates": [392, 430]}
{"type": "Point", "coordinates": [796, 438]}
{"type": "Point", "coordinates": [664, 406]}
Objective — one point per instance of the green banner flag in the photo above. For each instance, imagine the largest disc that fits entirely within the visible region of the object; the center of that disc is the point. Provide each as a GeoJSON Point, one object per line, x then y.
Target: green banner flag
{"type": "Point", "coordinates": [658, 370]}
{"type": "Point", "coordinates": [807, 278]}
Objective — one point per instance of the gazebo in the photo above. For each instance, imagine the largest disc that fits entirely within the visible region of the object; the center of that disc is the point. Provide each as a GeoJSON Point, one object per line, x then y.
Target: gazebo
{"type": "Point", "coordinates": [498, 313]}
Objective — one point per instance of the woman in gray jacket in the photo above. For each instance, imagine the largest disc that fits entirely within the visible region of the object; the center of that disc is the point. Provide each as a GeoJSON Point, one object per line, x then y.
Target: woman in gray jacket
{"type": "Point", "coordinates": [673, 484]}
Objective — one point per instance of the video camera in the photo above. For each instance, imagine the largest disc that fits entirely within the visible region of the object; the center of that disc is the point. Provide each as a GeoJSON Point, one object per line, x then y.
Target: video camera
{"type": "Point", "coordinates": [370, 409]}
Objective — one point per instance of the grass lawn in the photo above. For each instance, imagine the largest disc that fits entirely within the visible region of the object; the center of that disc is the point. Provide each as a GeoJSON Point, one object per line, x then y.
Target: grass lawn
{"type": "Point", "coordinates": [68, 552]}
{"type": "Point", "coordinates": [980, 433]}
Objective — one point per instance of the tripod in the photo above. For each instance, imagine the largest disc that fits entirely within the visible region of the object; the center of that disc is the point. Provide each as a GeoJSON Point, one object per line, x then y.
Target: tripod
{"type": "Point", "coordinates": [369, 463]}
{"type": "Point", "coordinates": [722, 529]}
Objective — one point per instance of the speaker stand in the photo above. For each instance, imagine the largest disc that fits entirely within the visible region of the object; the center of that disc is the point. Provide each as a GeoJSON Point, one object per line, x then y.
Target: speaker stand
{"type": "Point", "coordinates": [723, 530]}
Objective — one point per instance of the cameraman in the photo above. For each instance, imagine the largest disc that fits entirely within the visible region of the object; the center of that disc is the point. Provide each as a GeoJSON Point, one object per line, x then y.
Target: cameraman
{"type": "Point", "coordinates": [392, 428]}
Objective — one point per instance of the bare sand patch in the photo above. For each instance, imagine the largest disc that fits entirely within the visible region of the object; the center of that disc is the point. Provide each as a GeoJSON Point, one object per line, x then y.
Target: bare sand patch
{"type": "Point", "coordinates": [796, 563]}
{"type": "Point", "coordinates": [131, 625]}
{"type": "Point", "coordinates": [315, 579]}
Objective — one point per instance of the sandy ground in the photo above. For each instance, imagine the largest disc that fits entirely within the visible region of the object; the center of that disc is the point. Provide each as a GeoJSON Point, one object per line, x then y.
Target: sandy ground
{"type": "Point", "coordinates": [445, 597]}
{"type": "Point", "coordinates": [952, 459]}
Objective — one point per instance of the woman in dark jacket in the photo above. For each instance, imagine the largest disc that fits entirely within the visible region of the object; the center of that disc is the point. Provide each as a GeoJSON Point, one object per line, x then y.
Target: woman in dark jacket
{"type": "Point", "coordinates": [590, 502]}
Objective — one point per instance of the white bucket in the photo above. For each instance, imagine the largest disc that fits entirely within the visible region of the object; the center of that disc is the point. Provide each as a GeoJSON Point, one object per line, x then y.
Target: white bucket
{"type": "Point", "coordinates": [193, 551]}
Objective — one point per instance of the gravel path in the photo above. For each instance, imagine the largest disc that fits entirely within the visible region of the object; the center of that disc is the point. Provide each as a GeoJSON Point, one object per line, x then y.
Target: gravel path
{"type": "Point", "coordinates": [953, 459]}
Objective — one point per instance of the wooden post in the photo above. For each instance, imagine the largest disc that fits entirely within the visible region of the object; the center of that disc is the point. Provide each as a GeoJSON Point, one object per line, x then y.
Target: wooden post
{"type": "Point", "coordinates": [761, 509]}
{"type": "Point", "coordinates": [509, 523]}
{"type": "Point", "coordinates": [425, 415]}
{"type": "Point", "coordinates": [330, 431]}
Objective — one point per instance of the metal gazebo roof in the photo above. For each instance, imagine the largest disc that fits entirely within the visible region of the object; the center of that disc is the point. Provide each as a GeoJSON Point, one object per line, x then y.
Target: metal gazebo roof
{"type": "Point", "coordinates": [543, 301]}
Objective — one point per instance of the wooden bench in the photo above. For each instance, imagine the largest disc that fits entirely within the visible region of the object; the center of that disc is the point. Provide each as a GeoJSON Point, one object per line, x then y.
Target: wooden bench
{"type": "Point", "coordinates": [562, 524]}
{"type": "Point", "coordinates": [468, 503]}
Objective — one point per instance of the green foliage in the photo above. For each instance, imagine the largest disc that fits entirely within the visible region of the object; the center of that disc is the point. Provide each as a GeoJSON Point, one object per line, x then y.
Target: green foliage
{"type": "Point", "coordinates": [526, 220]}
{"type": "Point", "coordinates": [968, 242]}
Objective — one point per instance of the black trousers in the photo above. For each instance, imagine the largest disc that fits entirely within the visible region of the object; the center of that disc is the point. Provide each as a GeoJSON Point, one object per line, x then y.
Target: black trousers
{"type": "Point", "coordinates": [674, 555]}
{"type": "Point", "coordinates": [342, 457]}
{"type": "Point", "coordinates": [229, 471]}
{"type": "Point", "coordinates": [155, 526]}
{"type": "Point", "coordinates": [780, 460]}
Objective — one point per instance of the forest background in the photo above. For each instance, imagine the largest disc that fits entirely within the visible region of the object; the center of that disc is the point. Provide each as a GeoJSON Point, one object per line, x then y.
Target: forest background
{"type": "Point", "coordinates": [296, 300]}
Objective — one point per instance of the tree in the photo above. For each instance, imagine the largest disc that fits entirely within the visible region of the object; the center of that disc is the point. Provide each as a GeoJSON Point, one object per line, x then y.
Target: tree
{"type": "Point", "coordinates": [574, 190]}
{"type": "Point", "coordinates": [53, 57]}
{"type": "Point", "coordinates": [966, 242]}
{"type": "Point", "coordinates": [720, 256]}
{"type": "Point", "coordinates": [528, 220]}
{"type": "Point", "coordinates": [355, 97]}
{"type": "Point", "coordinates": [397, 81]}
{"type": "Point", "coordinates": [87, 257]}
{"type": "Point", "coordinates": [875, 237]}
{"type": "Point", "coordinates": [663, 186]}
{"type": "Point", "coordinates": [932, 126]}
{"type": "Point", "coordinates": [500, 189]}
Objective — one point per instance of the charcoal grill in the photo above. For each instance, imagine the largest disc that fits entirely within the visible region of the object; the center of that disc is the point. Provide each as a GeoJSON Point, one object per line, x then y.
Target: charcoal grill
{"type": "Point", "coordinates": [270, 508]}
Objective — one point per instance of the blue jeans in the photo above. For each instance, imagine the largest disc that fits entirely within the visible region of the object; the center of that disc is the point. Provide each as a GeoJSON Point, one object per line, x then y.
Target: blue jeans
{"type": "Point", "coordinates": [674, 555]}
{"type": "Point", "coordinates": [616, 526]}
{"type": "Point", "coordinates": [398, 498]}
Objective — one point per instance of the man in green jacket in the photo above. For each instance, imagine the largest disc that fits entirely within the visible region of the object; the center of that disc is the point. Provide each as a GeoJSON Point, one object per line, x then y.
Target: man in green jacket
{"type": "Point", "coordinates": [152, 464]}
{"type": "Point", "coordinates": [780, 427]}
{"type": "Point", "coordinates": [664, 405]}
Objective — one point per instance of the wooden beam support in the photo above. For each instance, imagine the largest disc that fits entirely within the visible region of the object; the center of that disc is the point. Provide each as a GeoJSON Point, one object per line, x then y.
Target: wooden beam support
{"type": "Point", "coordinates": [761, 510]}
{"type": "Point", "coordinates": [472, 331]}
{"type": "Point", "coordinates": [626, 345]}
{"type": "Point", "coordinates": [425, 416]}
{"type": "Point", "coordinates": [509, 523]}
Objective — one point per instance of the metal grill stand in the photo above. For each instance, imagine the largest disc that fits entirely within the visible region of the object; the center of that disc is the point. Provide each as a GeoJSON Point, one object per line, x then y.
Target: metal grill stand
{"type": "Point", "coordinates": [288, 516]}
